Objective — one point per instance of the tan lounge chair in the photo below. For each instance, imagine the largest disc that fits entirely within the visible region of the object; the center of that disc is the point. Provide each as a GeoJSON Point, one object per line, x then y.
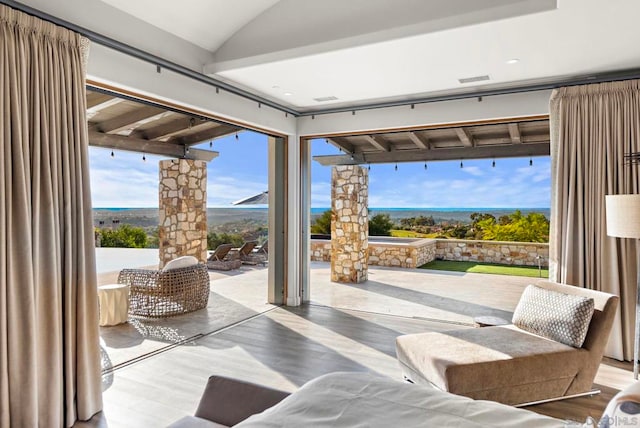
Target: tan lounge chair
{"type": "Point", "coordinates": [218, 259]}
{"type": "Point", "coordinates": [508, 364]}
{"type": "Point", "coordinates": [248, 255]}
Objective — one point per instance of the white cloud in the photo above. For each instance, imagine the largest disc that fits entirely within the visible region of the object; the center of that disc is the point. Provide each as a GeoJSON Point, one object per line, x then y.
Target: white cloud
{"type": "Point", "coordinates": [473, 170]}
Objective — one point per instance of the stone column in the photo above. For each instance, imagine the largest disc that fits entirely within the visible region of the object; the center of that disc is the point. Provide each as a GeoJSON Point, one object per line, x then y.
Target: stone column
{"type": "Point", "coordinates": [349, 224]}
{"type": "Point", "coordinates": [183, 209]}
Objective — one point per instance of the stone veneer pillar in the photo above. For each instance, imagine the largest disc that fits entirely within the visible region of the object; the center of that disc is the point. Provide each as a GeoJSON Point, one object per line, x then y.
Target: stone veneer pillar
{"type": "Point", "coordinates": [183, 209]}
{"type": "Point", "coordinates": [349, 224]}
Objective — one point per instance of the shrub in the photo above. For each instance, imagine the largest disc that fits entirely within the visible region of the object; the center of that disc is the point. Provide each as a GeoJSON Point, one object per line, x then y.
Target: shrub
{"type": "Point", "coordinates": [125, 236]}
{"type": "Point", "coordinates": [380, 225]}
{"type": "Point", "coordinates": [214, 239]}
{"type": "Point", "coordinates": [322, 224]}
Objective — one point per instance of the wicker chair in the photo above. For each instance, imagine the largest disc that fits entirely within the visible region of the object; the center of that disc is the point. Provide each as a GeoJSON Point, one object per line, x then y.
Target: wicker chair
{"type": "Point", "coordinates": [165, 293]}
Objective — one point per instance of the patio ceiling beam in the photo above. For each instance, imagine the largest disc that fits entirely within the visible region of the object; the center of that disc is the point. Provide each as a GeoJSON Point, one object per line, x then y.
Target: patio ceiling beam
{"type": "Point", "coordinates": [129, 119]}
{"type": "Point", "coordinates": [483, 152]}
{"type": "Point", "coordinates": [378, 142]}
{"type": "Point", "coordinates": [342, 144]}
{"type": "Point", "coordinates": [120, 142]}
{"type": "Point", "coordinates": [217, 131]}
{"type": "Point", "coordinates": [514, 133]}
{"type": "Point", "coordinates": [419, 140]}
{"type": "Point", "coordinates": [465, 137]}
{"type": "Point", "coordinates": [95, 99]}
{"type": "Point", "coordinates": [97, 105]}
{"type": "Point", "coordinates": [169, 129]}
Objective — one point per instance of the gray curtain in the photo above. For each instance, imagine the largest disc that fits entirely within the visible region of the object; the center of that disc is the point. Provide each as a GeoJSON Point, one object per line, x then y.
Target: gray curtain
{"type": "Point", "coordinates": [592, 127]}
{"type": "Point", "coordinates": [49, 351]}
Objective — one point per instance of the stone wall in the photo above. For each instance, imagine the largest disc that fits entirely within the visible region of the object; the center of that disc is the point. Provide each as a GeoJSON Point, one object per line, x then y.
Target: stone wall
{"type": "Point", "coordinates": [398, 254]}
{"type": "Point", "coordinates": [508, 253]}
{"type": "Point", "coordinates": [349, 224]}
{"type": "Point", "coordinates": [183, 209]}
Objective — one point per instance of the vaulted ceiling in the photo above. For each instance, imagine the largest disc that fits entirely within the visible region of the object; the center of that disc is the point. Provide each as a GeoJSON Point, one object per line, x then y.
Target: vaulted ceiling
{"type": "Point", "coordinates": [312, 55]}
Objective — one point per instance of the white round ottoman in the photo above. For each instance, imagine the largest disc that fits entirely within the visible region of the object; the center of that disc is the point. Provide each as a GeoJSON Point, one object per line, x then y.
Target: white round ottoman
{"type": "Point", "coordinates": [114, 304]}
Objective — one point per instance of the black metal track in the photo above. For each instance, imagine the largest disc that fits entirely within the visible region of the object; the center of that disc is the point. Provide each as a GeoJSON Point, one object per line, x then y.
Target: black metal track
{"type": "Point", "coordinates": [610, 76]}
{"type": "Point", "coordinates": [145, 56]}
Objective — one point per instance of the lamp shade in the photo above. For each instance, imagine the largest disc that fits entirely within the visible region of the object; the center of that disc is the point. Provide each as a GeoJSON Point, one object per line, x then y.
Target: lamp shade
{"type": "Point", "coordinates": [623, 215]}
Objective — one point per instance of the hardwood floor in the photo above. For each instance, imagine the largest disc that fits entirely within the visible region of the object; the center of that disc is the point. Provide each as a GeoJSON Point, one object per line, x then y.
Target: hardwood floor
{"type": "Point", "coordinates": [283, 348]}
{"type": "Point", "coordinates": [345, 328]}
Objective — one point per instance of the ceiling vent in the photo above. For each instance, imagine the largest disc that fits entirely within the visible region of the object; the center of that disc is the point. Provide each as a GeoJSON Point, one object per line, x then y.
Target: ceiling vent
{"type": "Point", "coordinates": [474, 79]}
{"type": "Point", "coordinates": [323, 99]}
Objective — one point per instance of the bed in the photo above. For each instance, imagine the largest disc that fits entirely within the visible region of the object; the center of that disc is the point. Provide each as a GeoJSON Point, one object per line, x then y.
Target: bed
{"type": "Point", "coordinates": [355, 400]}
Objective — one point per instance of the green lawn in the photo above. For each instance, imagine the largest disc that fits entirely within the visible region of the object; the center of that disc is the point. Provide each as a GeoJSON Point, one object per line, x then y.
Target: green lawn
{"type": "Point", "coordinates": [496, 269]}
{"type": "Point", "coordinates": [397, 233]}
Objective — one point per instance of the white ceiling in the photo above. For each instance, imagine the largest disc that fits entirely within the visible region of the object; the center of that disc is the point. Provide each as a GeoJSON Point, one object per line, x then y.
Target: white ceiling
{"type": "Point", "coordinates": [363, 51]}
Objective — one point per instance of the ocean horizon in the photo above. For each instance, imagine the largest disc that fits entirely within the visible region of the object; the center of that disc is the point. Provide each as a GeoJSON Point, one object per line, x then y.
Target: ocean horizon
{"type": "Point", "coordinates": [148, 217]}
{"type": "Point", "coordinates": [322, 209]}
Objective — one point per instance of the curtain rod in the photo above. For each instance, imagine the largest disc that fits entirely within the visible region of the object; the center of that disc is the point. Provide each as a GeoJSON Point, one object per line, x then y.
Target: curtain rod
{"type": "Point", "coordinates": [145, 56]}
{"type": "Point", "coordinates": [177, 68]}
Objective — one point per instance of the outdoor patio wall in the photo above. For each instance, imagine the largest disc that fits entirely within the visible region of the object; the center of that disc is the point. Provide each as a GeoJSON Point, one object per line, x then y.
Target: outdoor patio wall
{"type": "Point", "coordinates": [508, 253]}
{"type": "Point", "coordinates": [404, 255]}
{"type": "Point", "coordinates": [423, 251]}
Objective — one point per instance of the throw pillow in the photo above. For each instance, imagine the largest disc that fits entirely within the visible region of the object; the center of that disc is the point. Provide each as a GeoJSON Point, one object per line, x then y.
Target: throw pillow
{"type": "Point", "coordinates": [181, 262]}
{"type": "Point", "coordinates": [557, 316]}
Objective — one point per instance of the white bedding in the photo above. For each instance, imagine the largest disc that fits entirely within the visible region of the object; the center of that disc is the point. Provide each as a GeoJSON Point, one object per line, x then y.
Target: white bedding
{"type": "Point", "coordinates": [364, 400]}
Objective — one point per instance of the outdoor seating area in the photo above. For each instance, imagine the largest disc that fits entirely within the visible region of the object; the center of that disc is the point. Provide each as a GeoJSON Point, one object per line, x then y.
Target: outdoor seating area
{"type": "Point", "coordinates": [225, 257]}
{"type": "Point", "coordinates": [218, 260]}
{"type": "Point", "coordinates": [180, 287]}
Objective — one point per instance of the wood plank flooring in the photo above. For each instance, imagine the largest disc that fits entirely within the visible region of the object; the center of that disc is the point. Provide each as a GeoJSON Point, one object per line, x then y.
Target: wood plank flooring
{"type": "Point", "coordinates": [283, 348]}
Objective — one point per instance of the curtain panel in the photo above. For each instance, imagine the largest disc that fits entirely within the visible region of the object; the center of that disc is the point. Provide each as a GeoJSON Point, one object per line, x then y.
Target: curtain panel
{"type": "Point", "coordinates": [592, 127]}
{"type": "Point", "coordinates": [49, 350]}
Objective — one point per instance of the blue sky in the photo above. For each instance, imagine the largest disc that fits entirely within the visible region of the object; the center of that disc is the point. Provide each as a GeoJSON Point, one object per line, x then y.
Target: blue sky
{"type": "Point", "coordinates": [241, 170]}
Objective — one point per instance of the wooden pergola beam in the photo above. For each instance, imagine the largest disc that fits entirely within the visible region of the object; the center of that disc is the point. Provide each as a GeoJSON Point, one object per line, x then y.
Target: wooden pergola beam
{"type": "Point", "coordinates": [98, 104]}
{"type": "Point", "coordinates": [514, 133]}
{"type": "Point", "coordinates": [169, 129]}
{"type": "Point", "coordinates": [210, 133]}
{"type": "Point", "coordinates": [482, 152]}
{"type": "Point", "coordinates": [128, 120]}
{"type": "Point", "coordinates": [465, 137]}
{"type": "Point", "coordinates": [121, 142]}
{"type": "Point", "coordinates": [97, 98]}
{"type": "Point", "coordinates": [420, 140]}
{"type": "Point", "coordinates": [378, 142]}
{"type": "Point", "coordinates": [342, 144]}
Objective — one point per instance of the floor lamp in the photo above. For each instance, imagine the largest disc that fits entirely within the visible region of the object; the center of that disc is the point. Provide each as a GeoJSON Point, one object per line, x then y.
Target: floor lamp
{"type": "Point", "coordinates": [623, 221]}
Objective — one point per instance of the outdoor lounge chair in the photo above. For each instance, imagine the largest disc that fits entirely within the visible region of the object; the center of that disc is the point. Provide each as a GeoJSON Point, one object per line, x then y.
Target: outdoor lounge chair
{"type": "Point", "coordinates": [262, 249]}
{"type": "Point", "coordinates": [218, 259]}
{"type": "Point", "coordinates": [177, 289]}
{"type": "Point", "coordinates": [247, 254]}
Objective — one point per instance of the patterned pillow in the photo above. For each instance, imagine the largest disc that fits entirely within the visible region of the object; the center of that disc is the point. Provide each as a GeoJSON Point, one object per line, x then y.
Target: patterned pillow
{"type": "Point", "coordinates": [557, 316]}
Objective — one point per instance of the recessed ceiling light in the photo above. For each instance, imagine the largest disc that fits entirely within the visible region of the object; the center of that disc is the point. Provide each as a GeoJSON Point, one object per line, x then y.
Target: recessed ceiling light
{"type": "Point", "coordinates": [287, 94]}
{"type": "Point", "coordinates": [513, 61]}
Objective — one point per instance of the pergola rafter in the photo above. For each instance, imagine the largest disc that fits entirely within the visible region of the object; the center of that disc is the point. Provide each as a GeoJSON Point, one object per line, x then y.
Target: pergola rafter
{"type": "Point", "coordinates": [523, 138]}
{"type": "Point", "coordinates": [124, 124]}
